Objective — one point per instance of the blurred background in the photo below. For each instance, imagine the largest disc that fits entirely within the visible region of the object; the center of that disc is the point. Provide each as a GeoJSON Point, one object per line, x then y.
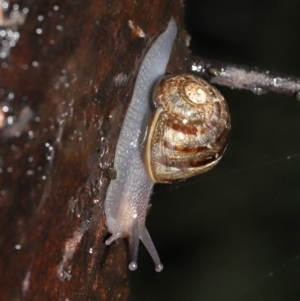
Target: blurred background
{"type": "Point", "coordinates": [234, 233]}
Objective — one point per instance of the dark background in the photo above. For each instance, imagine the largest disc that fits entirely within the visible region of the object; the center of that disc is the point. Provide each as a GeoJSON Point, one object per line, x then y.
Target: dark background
{"type": "Point", "coordinates": [234, 233]}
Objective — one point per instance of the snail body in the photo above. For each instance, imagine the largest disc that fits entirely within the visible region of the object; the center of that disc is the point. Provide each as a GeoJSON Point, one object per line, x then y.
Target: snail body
{"type": "Point", "coordinates": [181, 134]}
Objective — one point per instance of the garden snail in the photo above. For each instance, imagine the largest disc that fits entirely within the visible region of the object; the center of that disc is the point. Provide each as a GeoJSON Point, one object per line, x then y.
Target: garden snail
{"type": "Point", "coordinates": [185, 135]}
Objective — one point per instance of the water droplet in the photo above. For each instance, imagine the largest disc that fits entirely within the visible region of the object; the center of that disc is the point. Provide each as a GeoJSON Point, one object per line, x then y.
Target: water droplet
{"type": "Point", "coordinates": [10, 33]}
{"type": "Point", "coordinates": [10, 120]}
{"type": "Point", "coordinates": [258, 90]}
{"type": "Point", "coordinates": [30, 134]}
{"type": "Point", "coordinates": [16, 35]}
{"type": "Point", "coordinates": [214, 71]}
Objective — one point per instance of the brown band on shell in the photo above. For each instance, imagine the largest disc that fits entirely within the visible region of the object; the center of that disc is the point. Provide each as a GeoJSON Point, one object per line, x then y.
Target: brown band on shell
{"type": "Point", "coordinates": [175, 125]}
{"type": "Point", "coordinates": [194, 163]}
{"type": "Point", "coordinates": [185, 149]}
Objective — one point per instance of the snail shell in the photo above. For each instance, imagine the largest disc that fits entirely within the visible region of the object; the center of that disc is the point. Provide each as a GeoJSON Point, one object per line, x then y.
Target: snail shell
{"type": "Point", "coordinates": [189, 131]}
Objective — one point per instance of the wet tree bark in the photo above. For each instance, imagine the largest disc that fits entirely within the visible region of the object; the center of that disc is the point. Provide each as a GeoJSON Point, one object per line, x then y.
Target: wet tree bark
{"type": "Point", "coordinates": [66, 78]}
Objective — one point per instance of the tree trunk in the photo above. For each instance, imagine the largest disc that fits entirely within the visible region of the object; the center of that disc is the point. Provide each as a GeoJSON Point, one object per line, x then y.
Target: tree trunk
{"type": "Point", "coordinates": [65, 85]}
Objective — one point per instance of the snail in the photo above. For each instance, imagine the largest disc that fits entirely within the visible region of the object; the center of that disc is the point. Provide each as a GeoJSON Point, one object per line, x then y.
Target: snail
{"type": "Point", "coordinates": [182, 133]}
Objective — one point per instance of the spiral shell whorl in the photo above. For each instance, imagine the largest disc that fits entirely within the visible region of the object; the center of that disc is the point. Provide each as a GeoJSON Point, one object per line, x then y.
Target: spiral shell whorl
{"type": "Point", "coordinates": [185, 97]}
{"type": "Point", "coordinates": [189, 132]}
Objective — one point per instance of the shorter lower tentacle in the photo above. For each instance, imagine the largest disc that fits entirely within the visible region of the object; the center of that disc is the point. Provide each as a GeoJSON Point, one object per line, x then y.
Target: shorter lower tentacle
{"type": "Point", "coordinates": [113, 238]}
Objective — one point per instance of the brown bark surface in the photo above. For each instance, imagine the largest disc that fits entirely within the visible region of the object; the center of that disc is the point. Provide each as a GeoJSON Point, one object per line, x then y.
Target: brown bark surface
{"type": "Point", "coordinates": [64, 89]}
